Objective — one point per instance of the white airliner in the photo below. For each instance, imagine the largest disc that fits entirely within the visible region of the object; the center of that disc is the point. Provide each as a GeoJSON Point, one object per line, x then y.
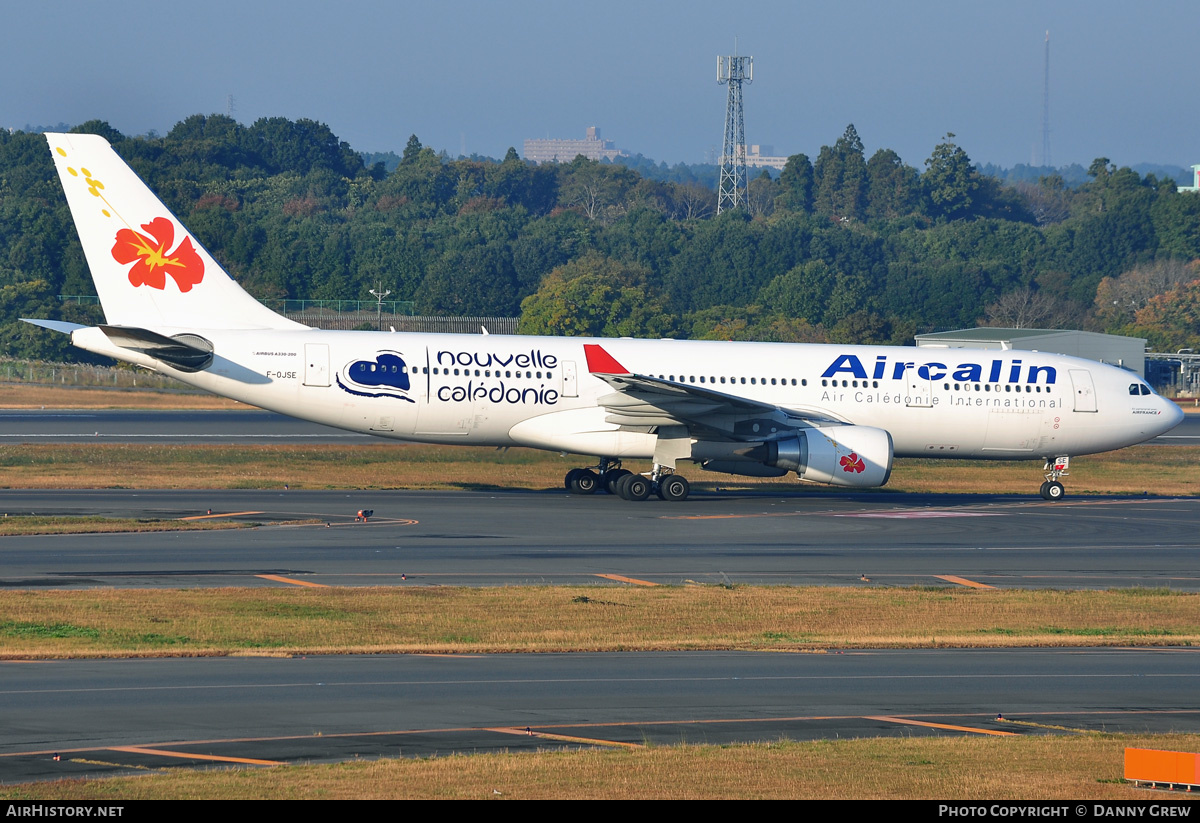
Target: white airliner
{"type": "Point", "coordinates": [831, 414]}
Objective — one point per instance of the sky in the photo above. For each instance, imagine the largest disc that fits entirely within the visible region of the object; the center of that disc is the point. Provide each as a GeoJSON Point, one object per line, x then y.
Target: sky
{"type": "Point", "coordinates": [469, 76]}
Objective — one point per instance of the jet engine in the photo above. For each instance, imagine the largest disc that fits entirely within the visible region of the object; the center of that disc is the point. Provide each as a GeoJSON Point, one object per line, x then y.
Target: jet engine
{"type": "Point", "coordinates": [856, 456]}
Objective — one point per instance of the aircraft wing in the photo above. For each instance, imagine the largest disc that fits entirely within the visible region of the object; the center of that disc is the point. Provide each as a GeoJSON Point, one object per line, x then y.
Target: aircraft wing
{"type": "Point", "coordinates": [640, 400]}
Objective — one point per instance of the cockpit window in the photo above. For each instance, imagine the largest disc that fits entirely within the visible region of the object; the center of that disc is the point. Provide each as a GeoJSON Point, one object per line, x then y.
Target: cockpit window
{"type": "Point", "coordinates": [1133, 389]}
{"type": "Point", "coordinates": [1145, 389]}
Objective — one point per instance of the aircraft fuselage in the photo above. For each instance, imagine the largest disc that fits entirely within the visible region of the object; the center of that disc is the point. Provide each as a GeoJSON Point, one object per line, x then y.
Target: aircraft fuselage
{"type": "Point", "coordinates": [500, 390]}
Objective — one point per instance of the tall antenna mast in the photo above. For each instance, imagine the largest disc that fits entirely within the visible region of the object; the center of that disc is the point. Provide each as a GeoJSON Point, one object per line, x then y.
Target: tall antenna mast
{"type": "Point", "coordinates": [733, 71]}
{"type": "Point", "coordinates": [1046, 109]}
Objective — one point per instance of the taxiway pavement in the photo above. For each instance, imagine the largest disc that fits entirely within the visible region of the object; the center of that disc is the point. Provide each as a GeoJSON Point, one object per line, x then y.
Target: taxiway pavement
{"type": "Point", "coordinates": [105, 717]}
{"type": "Point", "coordinates": [508, 538]}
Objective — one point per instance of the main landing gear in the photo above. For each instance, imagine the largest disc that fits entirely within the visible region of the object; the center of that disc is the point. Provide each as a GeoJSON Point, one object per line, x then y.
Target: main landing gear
{"type": "Point", "coordinates": [1056, 468]}
{"type": "Point", "coordinates": [610, 477]}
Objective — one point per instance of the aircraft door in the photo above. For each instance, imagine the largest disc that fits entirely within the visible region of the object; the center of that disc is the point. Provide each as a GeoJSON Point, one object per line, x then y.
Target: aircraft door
{"type": "Point", "coordinates": [1085, 392]}
{"type": "Point", "coordinates": [316, 364]}
{"type": "Point", "coordinates": [449, 408]}
{"type": "Point", "coordinates": [918, 389]}
{"type": "Point", "coordinates": [570, 381]}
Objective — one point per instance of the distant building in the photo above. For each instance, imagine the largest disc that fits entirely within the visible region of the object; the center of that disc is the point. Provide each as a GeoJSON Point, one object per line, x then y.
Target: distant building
{"type": "Point", "coordinates": [561, 150]}
{"type": "Point", "coordinates": [763, 157]}
{"type": "Point", "coordinates": [1195, 180]}
{"type": "Point", "coordinates": [1114, 349]}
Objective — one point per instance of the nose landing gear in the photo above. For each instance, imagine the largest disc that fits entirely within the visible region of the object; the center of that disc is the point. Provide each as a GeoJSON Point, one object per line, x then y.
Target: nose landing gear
{"type": "Point", "coordinates": [1056, 468]}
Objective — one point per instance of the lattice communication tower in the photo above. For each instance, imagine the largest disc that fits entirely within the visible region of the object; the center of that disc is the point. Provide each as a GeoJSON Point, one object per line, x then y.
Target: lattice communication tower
{"type": "Point", "coordinates": [1046, 107]}
{"type": "Point", "coordinates": [733, 71]}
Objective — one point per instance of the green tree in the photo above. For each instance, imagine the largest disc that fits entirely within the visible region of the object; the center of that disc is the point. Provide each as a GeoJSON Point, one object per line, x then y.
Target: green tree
{"type": "Point", "coordinates": [100, 127]}
{"type": "Point", "coordinates": [302, 146]}
{"type": "Point", "coordinates": [1176, 217]}
{"type": "Point", "coordinates": [802, 292]}
{"type": "Point", "coordinates": [840, 177]}
{"type": "Point", "coordinates": [893, 189]}
{"type": "Point", "coordinates": [33, 298]}
{"type": "Point", "coordinates": [412, 150]}
{"type": "Point", "coordinates": [596, 296]}
{"type": "Point", "coordinates": [596, 190]}
{"type": "Point", "coordinates": [950, 182]}
{"type": "Point", "coordinates": [796, 185]}
{"type": "Point", "coordinates": [475, 281]}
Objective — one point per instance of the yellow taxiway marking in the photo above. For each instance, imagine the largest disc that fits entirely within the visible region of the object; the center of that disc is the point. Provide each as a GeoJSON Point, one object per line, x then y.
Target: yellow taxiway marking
{"type": "Point", "coordinates": [622, 579]}
{"type": "Point", "coordinates": [962, 581]}
{"type": "Point", "coordinates": [730, 516]}
{"type": "Point", "coordinates": [210, 516]}
{"type": "Point", "coordinates": [908, 722]}
{"type": "Point", "coordinates": [531, 732]}
{"type": "Point", "coordinates": [193, 756]}
{"type": "Point", "coordinates": [292, 581]}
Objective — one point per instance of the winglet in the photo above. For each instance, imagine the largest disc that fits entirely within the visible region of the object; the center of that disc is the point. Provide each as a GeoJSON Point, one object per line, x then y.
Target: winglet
{"type": "Point", "coordinates": [601, 362]}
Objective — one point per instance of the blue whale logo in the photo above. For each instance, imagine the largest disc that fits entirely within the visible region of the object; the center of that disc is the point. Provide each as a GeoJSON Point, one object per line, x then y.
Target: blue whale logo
{"type": "Point", "coordinates": [385, 376]}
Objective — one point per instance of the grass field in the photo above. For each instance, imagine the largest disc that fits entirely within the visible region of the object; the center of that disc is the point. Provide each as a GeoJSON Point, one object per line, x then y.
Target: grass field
{"type": "Point", "coordinates": [41, 396]}
{"type": "Point", "coordinates": [445, 620]}
{"type": "Point", "coordinates": [1028, 767]}
{"type": "Point", "coordinates": [1160, 470]}
{"type": "Point", "coordinates": [33, 524]}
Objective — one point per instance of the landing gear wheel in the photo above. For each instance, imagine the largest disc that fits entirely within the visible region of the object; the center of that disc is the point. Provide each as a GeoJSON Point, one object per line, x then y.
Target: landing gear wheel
{"type": "Point", "coordinates": [1055, 468]}
{"type": "Point", "coordinates": [570, 478]}
{"type": "Point", "coordinates": [674, 488]}
{"type": "Point", "coordinates": [611, 477]}
{"type": "Point", "coordinates": [584, 482]}
{"type": "Point", "coordinates": [634, 487]}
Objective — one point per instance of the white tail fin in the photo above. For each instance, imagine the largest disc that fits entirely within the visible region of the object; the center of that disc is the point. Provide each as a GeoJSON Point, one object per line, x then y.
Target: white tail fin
{"type": "Point", "coordinates": [148, 270]}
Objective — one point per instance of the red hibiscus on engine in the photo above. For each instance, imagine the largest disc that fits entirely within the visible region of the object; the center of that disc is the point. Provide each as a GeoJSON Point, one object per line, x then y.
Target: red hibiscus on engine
{"type": "Point", "coordinates": [853, 463]}
{"type": "Point", "coordinates": [152, 262]}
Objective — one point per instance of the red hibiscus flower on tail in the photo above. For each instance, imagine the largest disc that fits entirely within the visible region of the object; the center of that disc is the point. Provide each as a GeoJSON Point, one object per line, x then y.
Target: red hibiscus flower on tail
{"type": "Point", "coordinates": [853, 463]}
{"type": "Point", "coordinates": [152, 260]}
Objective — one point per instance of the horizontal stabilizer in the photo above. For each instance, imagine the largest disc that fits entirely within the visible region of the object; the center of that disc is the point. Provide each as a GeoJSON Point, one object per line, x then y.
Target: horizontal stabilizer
{"type": "Point", "coordinates": [54, 325]}
{"type": "Point", "coordinates": [186, 352]}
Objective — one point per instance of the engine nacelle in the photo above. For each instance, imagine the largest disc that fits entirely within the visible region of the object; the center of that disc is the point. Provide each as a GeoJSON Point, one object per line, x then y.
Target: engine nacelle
{"type": "Point", "coordinates": [855, 456]}
{"type": "Point", "coordinates": [746, 468]}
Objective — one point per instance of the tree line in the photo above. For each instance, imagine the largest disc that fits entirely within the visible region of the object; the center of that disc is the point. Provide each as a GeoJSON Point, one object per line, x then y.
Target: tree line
{"type": "Point", "coordinates": [843, 247]}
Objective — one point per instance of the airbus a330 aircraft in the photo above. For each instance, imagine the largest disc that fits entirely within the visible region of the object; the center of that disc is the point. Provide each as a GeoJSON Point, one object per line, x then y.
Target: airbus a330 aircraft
{"type": "Point", "coordinates": [831, 414]}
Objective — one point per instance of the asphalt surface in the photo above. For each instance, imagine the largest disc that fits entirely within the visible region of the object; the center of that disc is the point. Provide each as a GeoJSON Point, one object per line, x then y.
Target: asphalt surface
{"type": "Point", "coordinates": [512, 538]}
{"type": "Point", "coordinates": [111, 717]}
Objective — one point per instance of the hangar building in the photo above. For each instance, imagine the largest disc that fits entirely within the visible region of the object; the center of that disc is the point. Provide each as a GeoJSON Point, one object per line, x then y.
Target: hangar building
{"type": "Point", "coordinates": [1113, 349]}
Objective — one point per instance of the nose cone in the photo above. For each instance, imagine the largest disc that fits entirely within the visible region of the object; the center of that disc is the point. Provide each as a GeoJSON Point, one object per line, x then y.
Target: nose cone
{"type": "Point", "coordinates": [1172, 416]}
